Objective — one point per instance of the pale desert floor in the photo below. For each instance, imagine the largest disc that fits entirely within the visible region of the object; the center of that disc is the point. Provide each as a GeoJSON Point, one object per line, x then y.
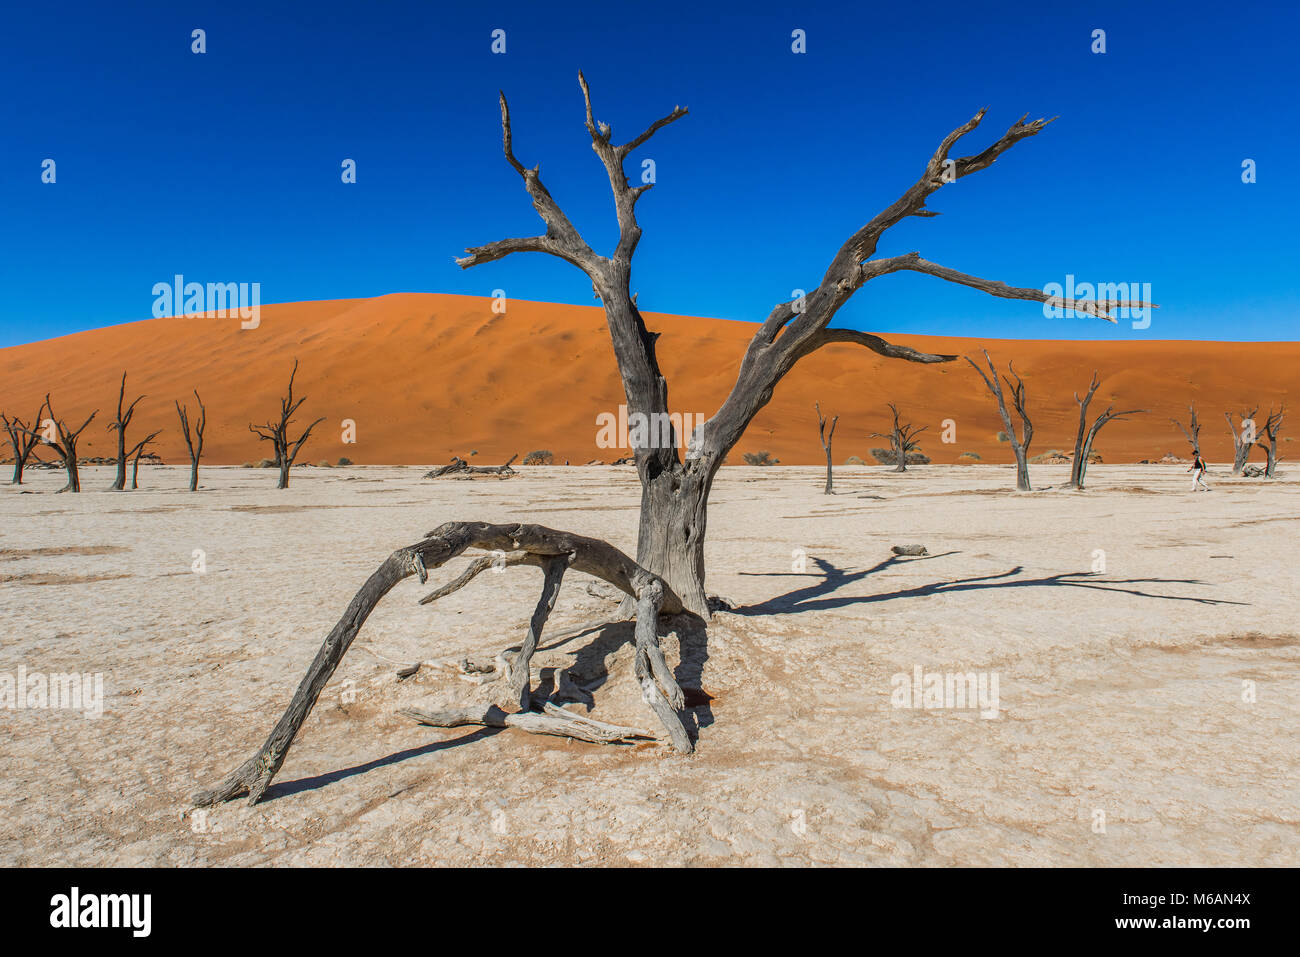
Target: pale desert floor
{"type": "Point", "coordinates": [1121, 692]}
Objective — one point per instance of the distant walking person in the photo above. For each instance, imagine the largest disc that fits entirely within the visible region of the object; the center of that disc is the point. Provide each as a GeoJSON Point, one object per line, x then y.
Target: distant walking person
{"type": "Point", "coordinates": [1198, 472]}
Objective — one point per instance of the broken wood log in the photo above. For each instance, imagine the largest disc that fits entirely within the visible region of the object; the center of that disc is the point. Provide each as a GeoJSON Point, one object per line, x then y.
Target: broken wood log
{"type": "Point", "coordinates": [459, 467]}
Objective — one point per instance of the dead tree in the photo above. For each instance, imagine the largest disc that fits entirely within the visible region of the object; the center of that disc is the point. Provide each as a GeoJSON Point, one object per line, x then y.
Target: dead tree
{"type": "Point", "coordinates": [1272, 426]}
{"type": "Point", "coordinates": [135, 453]}
{"type": "Point", "coordinates": [1192, 430]}
{"type": "Point", "coordinates": [23, 440]}
{"type": "Point", "coordinates": [826, 438]}
{"type": "Point", "coordinates": [459, 467]}
{"type": "Point", "coordinates": [64, 442]}
{"type": "Point", "coordinates": [1020, 446]}
{"type": "Point", "coordinates": [1084, 439]}
{"type": "Point", "coordinates": [555, 552]}
{"type": "Point", "coordinates": [668, 573]}
{"type": "Point", "coordinates": [674, 493]}
{"type": "Point", "coordinates": [193, 438]}
{"type": "Point", "coordinates": [902, 439]}
{"type": "Point", "coordinates": [277, 432]}
{"type": "Point", "coordinates": [1242, 439]}
{"type": "Point", "coordinates": [119, 425]}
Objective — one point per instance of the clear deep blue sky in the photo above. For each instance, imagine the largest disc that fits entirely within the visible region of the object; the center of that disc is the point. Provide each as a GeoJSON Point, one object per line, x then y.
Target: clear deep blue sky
{"type": "Point", "coordinates": [226, 166]}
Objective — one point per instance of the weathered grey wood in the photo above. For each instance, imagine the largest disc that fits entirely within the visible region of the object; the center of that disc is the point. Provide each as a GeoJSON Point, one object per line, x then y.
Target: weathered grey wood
{"type": "Point", "coordinates": [517, 670]}
{"type": "Point", "coordinates": [902, 439]}
{"type": "Point", "coordinates": [1240, 447]}
{"type": "Point", "coordinates": [1192, 430]}
{"type": "Point", "coordinates": [459, 467]}
{"type": "Point", "coordinates": [909, 550]}
{"type": "Point", "coordinates": [119, 425]}
{"type": "Point", "coordinates": [1019, 444]}
{"type": "Point", "coordinates": [1272, 426]}
{"type": "Point", "coordinates": [826, 438]}
{"type": "Point", "coordinates": [588, 555]}
{"type": "Point", "coordinates": [277, 431]}
{"type": "Point", "coordinates": [674, 499]}
{"type": "Point", "coordinates": [23, 440]}
{"type": "Point", "coordinates": [65, 444]}
{"type": "Point", "coordinates": [193, 438]}
{"type": "Point", "coordinates": [136, 451]}
{"type": "Point", "coordinates": [1086, 435]}
{"type": "Point", "coordinates": [556, 721]}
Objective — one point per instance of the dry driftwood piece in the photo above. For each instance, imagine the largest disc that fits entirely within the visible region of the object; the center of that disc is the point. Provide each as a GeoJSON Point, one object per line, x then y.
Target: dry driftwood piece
{"type": "Point", "coordinates": [909, 550]}
{"type": "Point", "coordinates": [553, 551]}
{"type": "Point", "coordinates": [459, 467]}
{"type": "Point", "coordinates": [555, 721]}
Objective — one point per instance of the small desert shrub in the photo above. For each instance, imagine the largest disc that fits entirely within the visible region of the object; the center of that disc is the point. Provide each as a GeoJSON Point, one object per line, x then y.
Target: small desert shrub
{"type": "Point", "coordinates": [539, 457]}
{"type": "Point", "coordinates": [854, 460]}
{"type": "Point", "coordinates": [247, 465]}
{"type": "Point", "coordinates": [345, 461]}
{"type": "Point", "coordinates": [268, 464]}
{"type": "Point", "coordinates": [969, 456]}
{"type": "Point", "coordinates": [762, 457]}
{"type": "Point", "coordinates": [1003, 437]}
{"type": "Point", "coordinates": [324, 464]}
{"type": "Point", "coordinates": [887, 457]}
{"type": "Point", "coordinates": [1050, 457]}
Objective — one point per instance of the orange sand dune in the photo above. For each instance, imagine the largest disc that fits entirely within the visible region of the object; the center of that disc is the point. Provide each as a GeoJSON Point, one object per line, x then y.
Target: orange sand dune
{"type": "Point", "coordinates": [427, 376]}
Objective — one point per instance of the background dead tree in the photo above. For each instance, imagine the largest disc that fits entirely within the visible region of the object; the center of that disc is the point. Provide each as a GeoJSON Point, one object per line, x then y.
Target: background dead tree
{"type": "Point", "coordinates": [1020, 446]}
{"type": "Point", "coordinates": [1192, 430]}
{"type": "Point", "coordinates": [1242, 439]}
{"type": "Point", "coordinates": [64, 442]}
{"type": "Point", "coordinates": [277, 432]}
{"type": "Point", "coordinates": [1272, 426]}
{"type": "Point", "coordinates": [458, 466]}
{"type": "Point", "coordinates": [902, 439]}
{"type": "Point", "coordinates": [674, 493]}
{"type": "Point", "coordinates": [827, 438]}
{"type": "Point", "coordinates": [119, 425]}
{"type": "Point", "coordinates": [136, 452]}
{"type": "Point", "coordinates": [23, 439]}
{"type": "Point", "coordinates": [555, 552]}
{"type": "Point", "coordinates": [1083, 441]}
{"type": "Point", "coordinates": [193, 438]}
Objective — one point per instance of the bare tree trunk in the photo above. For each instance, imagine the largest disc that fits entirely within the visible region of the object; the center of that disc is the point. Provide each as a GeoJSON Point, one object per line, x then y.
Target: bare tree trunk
{"type": "Point", "coordinates": [193, 437]}
{"type": "Point", "coordinates": [119, 425]}
{"type": "Point", "coordinates": [826, 441]}
{"type": "Point", "coordinates": [1019, 445]}
{"type": "Point", "coordinates": [670, 537]}
{"type": "Point", "coordinates": [1242, 439]}
{"type": "Point", "coordinates": [284, 472]}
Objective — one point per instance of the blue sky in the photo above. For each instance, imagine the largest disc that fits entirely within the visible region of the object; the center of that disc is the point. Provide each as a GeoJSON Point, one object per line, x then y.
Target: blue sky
{"type": "Point", "coordinates": [225, 166]}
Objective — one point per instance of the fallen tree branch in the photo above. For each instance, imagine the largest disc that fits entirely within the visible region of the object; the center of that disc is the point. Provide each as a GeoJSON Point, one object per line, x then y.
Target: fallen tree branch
{"type": "Point", "coordinates": [548, 547]}
{"type": "Point", "coordinates": [555, 721]}
{"type": "Point", "coordinates": [458, 466]}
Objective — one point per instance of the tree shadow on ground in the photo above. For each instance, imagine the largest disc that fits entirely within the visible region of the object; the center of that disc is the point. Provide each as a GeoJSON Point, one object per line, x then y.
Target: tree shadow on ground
{"type": "Point", "coordinates": [285, 789]}
{"type": "Point", "coordinates": [810, 598]}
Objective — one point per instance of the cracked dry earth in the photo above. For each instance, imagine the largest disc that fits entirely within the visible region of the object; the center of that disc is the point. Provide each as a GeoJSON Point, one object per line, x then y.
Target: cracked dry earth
{"type": "Point", "coordinates": [1122, 692]}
